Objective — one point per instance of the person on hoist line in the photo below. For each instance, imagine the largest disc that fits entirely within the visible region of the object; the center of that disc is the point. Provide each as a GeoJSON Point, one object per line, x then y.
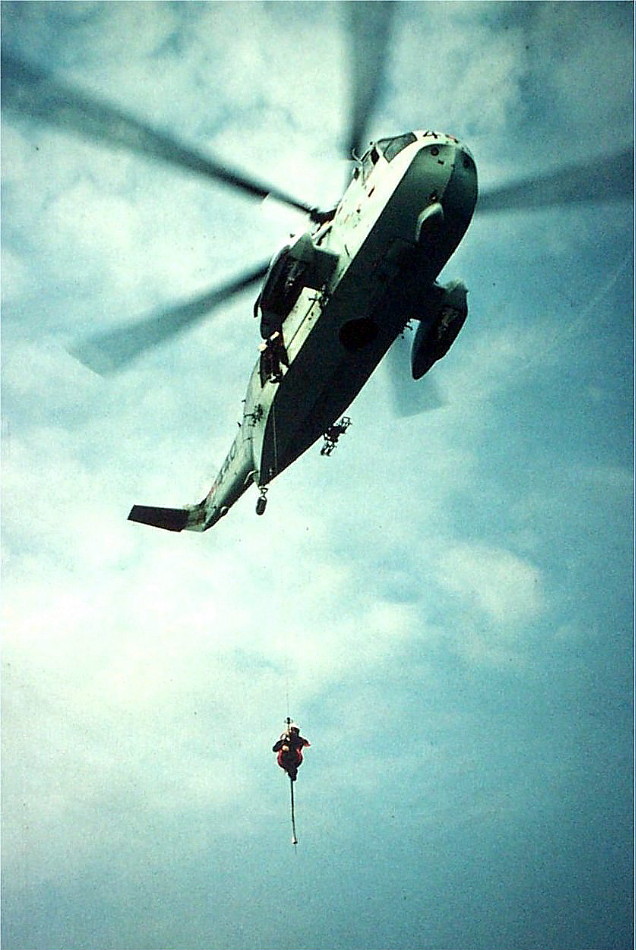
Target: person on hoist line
{"type": "Point", "coordinates": [289, 748]}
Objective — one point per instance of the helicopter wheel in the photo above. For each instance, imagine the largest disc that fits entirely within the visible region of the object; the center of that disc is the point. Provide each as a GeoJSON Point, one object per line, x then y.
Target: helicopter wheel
{"type": "Point", "coordinates": [261, 505]}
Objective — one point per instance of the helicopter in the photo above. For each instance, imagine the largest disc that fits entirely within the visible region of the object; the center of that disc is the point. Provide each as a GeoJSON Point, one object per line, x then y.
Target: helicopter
{"type": "Point", "coordinates": [335, 298]}
{"type": "Point", "coordinates": [333, 302]}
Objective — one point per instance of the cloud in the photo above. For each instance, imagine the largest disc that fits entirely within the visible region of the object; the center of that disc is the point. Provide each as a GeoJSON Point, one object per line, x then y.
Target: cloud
{"type": "Point", "coordinates": [502, 587]}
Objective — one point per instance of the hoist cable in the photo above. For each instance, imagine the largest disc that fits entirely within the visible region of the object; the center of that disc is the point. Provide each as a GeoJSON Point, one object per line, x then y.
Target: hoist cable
{"type": "Point", "coordinates": [287, 684]}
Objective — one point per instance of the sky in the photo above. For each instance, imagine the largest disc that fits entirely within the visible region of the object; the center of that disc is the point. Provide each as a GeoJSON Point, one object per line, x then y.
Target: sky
{"type": "Point", "coordinates": [444, 604]}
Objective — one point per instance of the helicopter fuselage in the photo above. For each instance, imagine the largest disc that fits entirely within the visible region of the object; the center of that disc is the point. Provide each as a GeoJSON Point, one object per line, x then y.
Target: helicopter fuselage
{"type": "Point", "coordinates": [398, 223]}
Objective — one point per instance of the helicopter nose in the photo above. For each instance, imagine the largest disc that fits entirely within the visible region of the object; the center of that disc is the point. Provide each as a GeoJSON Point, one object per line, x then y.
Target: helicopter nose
{"type": "Point", "coordinates": [445, 161]}
{"type": "Point", "coordinates": [460, 193]}
{"type": "Point", "coordinates": [446, 179]}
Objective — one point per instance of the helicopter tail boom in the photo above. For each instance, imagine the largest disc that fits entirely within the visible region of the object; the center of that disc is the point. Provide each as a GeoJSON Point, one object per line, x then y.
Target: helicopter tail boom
{"type": "Point", "coordinates": [171, 519]}
{"type": "Point", "coordinates": [236, 474]}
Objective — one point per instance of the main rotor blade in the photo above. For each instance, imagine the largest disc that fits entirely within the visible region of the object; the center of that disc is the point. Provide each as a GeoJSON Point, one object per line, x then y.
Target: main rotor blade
{"type": "Point", "coordinates": [31, 91]}
{"type": "Point", "coordinates": [369, 27]}
{"type": "Point", "coordinates": [110, 351]}
{"type": "Point", "coordinates": [608, 178]}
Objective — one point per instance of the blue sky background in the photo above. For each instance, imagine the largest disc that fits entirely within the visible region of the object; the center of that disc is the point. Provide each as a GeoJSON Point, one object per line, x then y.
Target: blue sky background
{"type": "Point", "coordinates": [447, 600]}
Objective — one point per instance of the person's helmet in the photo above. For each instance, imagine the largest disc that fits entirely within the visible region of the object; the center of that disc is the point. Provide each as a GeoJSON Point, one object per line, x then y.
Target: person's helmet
{"type": "Point", "coordinates": [294, 726]}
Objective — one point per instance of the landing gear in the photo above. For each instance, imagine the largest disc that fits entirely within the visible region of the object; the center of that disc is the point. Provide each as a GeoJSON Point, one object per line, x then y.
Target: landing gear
{"type": "Point", "coordinates": [261, 503]}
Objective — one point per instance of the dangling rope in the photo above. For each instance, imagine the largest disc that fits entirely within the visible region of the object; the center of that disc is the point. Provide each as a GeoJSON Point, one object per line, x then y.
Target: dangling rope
{"type": "Point", "coordinates": [293, 817]}
{"type": "Point", "coordinates": [288, 722]}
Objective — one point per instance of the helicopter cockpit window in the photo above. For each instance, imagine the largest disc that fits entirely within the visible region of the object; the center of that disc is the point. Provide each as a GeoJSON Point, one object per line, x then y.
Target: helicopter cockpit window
{"type": "Point", "coordinates": [392, 147]}
{"type": "Point", "coordinates": [368, 162]}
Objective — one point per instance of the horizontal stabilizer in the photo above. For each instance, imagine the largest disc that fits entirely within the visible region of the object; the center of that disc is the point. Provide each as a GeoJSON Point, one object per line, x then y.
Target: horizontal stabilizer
{"type": "Point", "coordinates": [172, 519]}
